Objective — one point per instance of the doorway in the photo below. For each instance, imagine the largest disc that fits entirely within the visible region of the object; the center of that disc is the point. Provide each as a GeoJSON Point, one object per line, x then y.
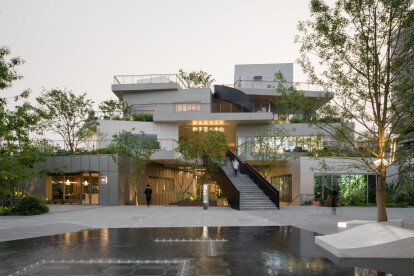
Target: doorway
{"type": "Point", "coordinates": [90, 191]}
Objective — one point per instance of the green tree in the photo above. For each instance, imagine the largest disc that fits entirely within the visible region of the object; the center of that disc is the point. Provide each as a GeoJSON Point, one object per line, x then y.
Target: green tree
{"type": "Point", "coordinates": [19, 153]}
{"type": "Point", "coordinates": [8, 73]}
{"type": "Point", "coordinates": [267, 149]}
{"type": "Point", "coordinates": [196, 79]}
{"type": "Point", "coordinates": [363, 50]}
{"type": "Point", "coordinates": [68, 115]}
{"type": "Point", "coordinates": [115, 108]}
{"type": "Point", "coordinates": [292, 101]}
{"type": "Point", "coordinates": [202, 154]}
{"type": "Point", "coordinates": [139, 148]}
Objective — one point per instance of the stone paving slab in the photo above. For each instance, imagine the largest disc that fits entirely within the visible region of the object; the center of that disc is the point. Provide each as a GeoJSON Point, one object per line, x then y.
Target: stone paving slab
{"type": "Point", "coordinates": [70, 218]}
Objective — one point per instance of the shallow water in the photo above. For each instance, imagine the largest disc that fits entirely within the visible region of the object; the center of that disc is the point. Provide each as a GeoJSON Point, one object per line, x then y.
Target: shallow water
{"type": "Point", "coordinates": [275, 250]}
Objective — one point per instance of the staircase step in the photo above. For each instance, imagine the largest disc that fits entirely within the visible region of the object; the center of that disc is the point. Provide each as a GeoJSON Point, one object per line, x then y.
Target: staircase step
{"type": "Point", "coordinates": [251, 196]}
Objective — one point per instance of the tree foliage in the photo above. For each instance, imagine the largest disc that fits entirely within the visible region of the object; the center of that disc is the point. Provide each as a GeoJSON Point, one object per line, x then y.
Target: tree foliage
{"type": "Point", "coordinates": [196, 79]}
{"type": "Point", "coordinates": [364, 48]}
{"type": "Point", "coordinates": [267, 148]}
{"type": "Point", "coordinates": [19, 152]}
{"type": "Point", "coordinates": [115, 108]}
{"type": "Point", "coordinates": [68, 115]}
{"type": "Point", "coordinates": [8, 72]}
{"type": "Point", "coordinates": [293, 100]}
{"type": "Point", "coordinates": [203, 150]}
{"type": "Point", "coordinates": [138, 147]}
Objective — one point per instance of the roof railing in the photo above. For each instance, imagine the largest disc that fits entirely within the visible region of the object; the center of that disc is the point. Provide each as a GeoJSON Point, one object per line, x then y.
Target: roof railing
{"type": "Point", "coordinates": [150, 78]}
{"type": "Point", "coordinates": [272, 84]}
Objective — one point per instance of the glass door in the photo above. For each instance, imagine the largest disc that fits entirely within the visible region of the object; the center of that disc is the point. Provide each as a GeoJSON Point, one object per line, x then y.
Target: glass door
{"type": "Point", "coordinates": [94, 186]}
{"type": "Point", "coordinates": [72, 188]}
{"type": "Point", "coordinates": [90, 191]}
{"type": "Point", "coordinates": [57, 189]}
{"type": "Point", "coordinates": [85, 188]}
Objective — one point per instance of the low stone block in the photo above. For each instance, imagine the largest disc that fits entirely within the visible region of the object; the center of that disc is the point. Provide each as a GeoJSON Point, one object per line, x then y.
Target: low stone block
{"type": "Point", "coordinates": [345, 225]}
{"type": "Point", "coordinates": [372, 240]}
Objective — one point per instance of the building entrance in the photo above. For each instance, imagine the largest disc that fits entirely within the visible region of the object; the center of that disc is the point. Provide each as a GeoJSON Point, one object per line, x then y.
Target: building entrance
{"type": "Point", "coordinates": [73, 188]}
{"type": "Point", "coordinates": [90, 190]}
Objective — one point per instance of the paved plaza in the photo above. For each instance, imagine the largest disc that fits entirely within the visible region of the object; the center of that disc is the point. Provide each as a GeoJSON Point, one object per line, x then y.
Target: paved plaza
{"type": "Point", "coordinates": [73, 218]}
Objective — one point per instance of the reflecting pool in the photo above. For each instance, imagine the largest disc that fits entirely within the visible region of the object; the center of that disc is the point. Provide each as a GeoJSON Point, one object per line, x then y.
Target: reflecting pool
{"type": "Point", "coordinates": [271, 250]}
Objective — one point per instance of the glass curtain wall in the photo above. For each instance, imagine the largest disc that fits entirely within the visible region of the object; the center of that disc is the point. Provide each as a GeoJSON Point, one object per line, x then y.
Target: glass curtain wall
{"type": "Point", "coordinates": [353, 189]}
{"type": "Point", "coordinates": [293, 143]}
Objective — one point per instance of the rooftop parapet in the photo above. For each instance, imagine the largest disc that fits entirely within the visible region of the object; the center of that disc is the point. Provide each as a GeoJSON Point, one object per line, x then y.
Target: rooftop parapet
{"type": "Point", "coordinates": [152, 82]}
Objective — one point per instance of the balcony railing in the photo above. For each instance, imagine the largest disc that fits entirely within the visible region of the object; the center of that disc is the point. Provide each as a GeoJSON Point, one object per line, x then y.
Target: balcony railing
{"type": "Point", "coordinates": [96, 144]}
{"type": "Point", "coordinates": [271, 84]}
{"type": "Point", "coordinates": [152, 78]}
{"type": "Point", "coordinates": [240, 107]}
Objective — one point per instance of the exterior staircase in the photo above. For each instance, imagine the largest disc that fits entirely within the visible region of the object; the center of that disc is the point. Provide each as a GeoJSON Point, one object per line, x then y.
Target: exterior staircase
{"type": "Point", "coordinates": [251, 196]}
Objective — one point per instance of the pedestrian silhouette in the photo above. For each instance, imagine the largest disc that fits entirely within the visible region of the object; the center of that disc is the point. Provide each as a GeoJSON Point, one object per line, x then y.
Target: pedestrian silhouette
{"type": "Point", "coordinates": [148, 194]}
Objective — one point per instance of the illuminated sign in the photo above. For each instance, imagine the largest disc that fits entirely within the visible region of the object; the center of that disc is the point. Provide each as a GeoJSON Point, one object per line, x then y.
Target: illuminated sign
{"type": "Point", "coordinates": [104, 179]}
{"type": "Point", "coordinates": [208, 128]}
{"type": "Point", "coordinates": [205, 193]}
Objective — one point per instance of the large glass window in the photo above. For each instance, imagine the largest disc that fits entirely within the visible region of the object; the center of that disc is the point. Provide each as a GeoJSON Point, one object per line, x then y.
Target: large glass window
{"type": "Point", "coordinates": [289, 144]}
{"type": "Point", "coordinates": [317, 183]}
{"type": "Point", "coordinates": [73, 188]}
{"type": "Point", "coordinates": [142, 109]}
{"type": "Point", "coordinates": [327, 186]}
{"type": "Point", "coordinates": [65, 189]}
{"type": "Point", "coordinates": [353, 189]}
{"type": "Point", "coordinates": [372, 189]}
{"type": "Point", "coordinates": [187, 107]}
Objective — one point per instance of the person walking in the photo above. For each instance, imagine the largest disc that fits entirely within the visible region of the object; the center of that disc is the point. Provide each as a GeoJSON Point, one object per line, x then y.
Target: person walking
{"type": "Point", "coordinates": [235, 164]}
{"type": "Point", "coordinates": [148, 194]}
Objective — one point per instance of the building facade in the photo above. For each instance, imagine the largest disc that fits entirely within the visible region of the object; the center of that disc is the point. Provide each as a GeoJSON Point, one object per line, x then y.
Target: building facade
{"type": "Point", "coordinates": [240, 111]}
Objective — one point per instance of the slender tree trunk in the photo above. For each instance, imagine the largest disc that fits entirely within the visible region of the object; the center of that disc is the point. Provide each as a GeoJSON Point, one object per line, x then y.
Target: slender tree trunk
{"type": "Point", "coordinates": [136, 195]}
{"type": "Point", "coordinates": [381, 197]}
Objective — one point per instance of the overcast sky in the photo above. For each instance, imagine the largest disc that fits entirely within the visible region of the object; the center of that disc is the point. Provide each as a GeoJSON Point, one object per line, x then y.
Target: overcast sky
{"type": "Point", "coordinates": [81, 44]}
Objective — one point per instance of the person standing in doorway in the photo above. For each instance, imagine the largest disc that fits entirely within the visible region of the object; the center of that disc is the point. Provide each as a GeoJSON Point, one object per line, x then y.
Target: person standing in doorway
{"type": "Point", "coordinates": [235, 166]}
{"type": "Point", "coordinates": [148, 194]}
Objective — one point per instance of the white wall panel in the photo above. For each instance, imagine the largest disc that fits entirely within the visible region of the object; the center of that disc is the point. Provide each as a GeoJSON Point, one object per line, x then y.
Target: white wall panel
{"type": "Point", "coordinates": [165, 131]}
{"type": "Point", "coordinates": [267, 71]}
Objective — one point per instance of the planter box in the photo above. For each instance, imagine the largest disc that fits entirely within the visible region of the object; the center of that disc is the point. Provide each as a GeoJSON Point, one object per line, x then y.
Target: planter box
{"type": "Point", "coordinates": [196, 203]}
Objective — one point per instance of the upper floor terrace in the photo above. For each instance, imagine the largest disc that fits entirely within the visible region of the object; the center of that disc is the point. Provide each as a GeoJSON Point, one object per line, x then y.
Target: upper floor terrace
{"type": "Point", "coordinates": [151, 82]}
{"type": "Point", "coordinates": [167, 98]}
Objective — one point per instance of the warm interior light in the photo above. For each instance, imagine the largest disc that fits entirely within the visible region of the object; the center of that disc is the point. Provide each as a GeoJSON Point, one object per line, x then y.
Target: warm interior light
{"type": "Point", "coordinates": [85, 183]}
{"type": "Point", "coordinates": [67, 182]}
{"type": "Point", "coordinates": [342, 224]}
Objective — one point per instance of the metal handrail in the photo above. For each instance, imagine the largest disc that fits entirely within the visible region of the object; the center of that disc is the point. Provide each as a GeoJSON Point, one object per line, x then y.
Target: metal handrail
{"type": "Point", "coordinates": [149, 78]}
{"type": "Point", "coordinates": [298, 195]}
{"type": "Point", "coordinates": [263, 184]}
{"type": "Point", "coordinates": [272, 84]}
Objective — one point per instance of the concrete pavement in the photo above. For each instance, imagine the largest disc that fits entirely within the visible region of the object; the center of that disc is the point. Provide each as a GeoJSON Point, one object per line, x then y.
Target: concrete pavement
{"type": "Point", "coordinates": [71, 218]}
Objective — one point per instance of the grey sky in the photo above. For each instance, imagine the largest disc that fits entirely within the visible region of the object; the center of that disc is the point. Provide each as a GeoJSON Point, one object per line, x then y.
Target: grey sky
{"type": "Point", "coordinates": [81, 44]}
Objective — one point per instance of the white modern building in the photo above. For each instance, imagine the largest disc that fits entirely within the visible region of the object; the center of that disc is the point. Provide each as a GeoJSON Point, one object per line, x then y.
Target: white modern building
{"type": "Point", "coordinates": [239, 111]}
